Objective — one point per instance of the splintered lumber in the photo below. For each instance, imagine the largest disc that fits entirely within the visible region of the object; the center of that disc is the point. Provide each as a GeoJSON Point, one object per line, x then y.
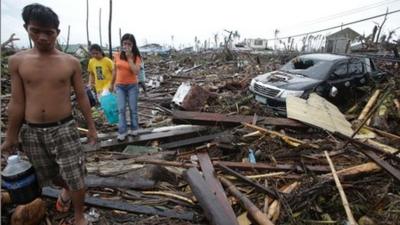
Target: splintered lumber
{"type": "Point", "coordinates": [213, 209]}
{"type": "Point", "coordinates": [203, 118]}
{"type": "Point", "coordinates": [273, 167]}
{"type": "Point", "coordinates": [365, 149]}
{"type": "Point", "coordinates": [125, 206]}
{"type": "Point", "coordinates": [256, 213]}
{"type": "Point", "coordinates": [369, 167]}
{"type": "Point", "coordinates": [346, 205]}
{"type": "Point", "coordinates": [286, 138]}
{"type": "Point", "coordinates": [269, 191]}
{"type": "Point", "coordinates": [370, 113]}
{"type": "Point", "coordinates": [369, 105]}
{"type": "Point", "coordinates": [275, 207]}
{"type": "Point", "coordinates": [209, 176]}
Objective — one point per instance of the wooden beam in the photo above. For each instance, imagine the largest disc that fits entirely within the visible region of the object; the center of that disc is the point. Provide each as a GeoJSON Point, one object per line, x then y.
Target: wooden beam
{"type": "Point", "coordinates": [124, 206]}
{"type": "Point", "coordinates": [203, 118]}
{"type": "Point", "coordinates": [209, 176]}
{"type": "Point", "coordinates": [191, 141]}
{"type": "Point", "coordinates": [212, 208]}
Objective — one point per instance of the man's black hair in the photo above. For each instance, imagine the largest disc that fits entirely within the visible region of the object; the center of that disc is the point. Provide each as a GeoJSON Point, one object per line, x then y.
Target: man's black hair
{"type": "Point", "coordinates": [41, 14]}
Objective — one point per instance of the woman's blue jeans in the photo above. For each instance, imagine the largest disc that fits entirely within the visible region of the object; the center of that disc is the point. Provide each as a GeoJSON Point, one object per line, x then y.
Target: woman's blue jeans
{"type": "Point", "coordinates": [127, 93]}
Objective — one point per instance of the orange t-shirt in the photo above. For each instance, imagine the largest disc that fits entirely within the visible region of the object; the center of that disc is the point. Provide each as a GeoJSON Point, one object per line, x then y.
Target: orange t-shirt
{"type": "Point", "coordinates": [124, 74]}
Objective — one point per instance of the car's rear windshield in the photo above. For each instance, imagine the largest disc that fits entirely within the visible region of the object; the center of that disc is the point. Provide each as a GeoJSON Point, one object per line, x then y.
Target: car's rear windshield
{"type": "Point", "coordinates": [309, 67]}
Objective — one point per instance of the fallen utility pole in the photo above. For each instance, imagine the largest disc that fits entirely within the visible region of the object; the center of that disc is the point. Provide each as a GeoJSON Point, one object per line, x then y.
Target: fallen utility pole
{"type": "Point", "coordinates": [256, 213]}
{"type": "Point", "coordinates": [213, 209]}
{"type": "Point", "coordinates": [124, 206]}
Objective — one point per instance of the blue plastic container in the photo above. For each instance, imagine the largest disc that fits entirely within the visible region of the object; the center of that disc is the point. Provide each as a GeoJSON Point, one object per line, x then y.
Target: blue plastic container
{"type": "Point", "coordinates": [108, 102]}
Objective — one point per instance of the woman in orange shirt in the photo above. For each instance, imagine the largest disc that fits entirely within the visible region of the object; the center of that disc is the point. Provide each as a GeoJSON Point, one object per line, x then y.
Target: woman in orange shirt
{"type": "Point", "coordinates": [125, 83]}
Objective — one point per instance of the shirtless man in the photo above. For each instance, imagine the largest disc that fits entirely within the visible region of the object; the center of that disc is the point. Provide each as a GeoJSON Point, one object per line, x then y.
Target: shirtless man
{"type": "Point", "coordinates": [40, 110]}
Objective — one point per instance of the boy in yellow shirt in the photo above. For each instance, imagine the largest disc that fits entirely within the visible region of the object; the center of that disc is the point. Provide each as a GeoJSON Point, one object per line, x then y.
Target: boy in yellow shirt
{"type": "Point", "coordinates": [100, 69]}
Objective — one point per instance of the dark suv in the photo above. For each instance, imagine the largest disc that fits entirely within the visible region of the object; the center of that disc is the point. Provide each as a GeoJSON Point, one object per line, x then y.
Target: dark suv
{"type": "Point", "coordinates": [325, 74]}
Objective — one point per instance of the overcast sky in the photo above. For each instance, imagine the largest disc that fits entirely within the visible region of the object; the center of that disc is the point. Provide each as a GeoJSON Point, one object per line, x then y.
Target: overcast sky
{"type": "Point", "coordinates": [156, 21]}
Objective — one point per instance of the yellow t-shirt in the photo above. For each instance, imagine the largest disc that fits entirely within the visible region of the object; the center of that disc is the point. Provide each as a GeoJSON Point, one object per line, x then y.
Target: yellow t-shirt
{"type": "Point", "coordinates": [102, 71]}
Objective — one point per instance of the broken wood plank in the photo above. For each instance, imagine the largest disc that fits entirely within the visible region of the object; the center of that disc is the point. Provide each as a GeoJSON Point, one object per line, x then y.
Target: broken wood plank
{"type": "Point", "coordinates": [256, 213]}
{"type": "Point", "coordinates": [369, 105]}
{"type": "Point", "coordinates": [191, 141]}
{"type": "Point", "coordinates": [145, 137]}
{"type": "Point", "coordinates": [319, 112]}
{"type": "Point", "coordinates": [272, 192]}
{"type": "Point", "coordinates": [124, 206]}
{"type": "Point", "coordinates": [203, 118]}
{"type": "Point", "coordinates": [346, 204]}
{"type": "Point", "coordinates": [209, 176]}
{"type": "Point", "coordinates": [208, 201]}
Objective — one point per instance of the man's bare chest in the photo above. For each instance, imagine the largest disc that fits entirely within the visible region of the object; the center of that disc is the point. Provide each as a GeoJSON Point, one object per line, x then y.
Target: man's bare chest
{"type": "Point", "coordinates": [42, 73]}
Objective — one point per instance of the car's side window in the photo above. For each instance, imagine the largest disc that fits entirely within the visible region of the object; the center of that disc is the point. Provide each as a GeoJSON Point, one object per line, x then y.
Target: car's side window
{"type": "Point", "coordinates": [355, 68]}
{"type": "Point", "coordinates": [341, 70]}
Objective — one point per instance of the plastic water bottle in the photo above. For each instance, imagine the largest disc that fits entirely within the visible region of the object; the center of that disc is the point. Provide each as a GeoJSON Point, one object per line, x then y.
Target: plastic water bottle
{"type": "Point", "coordinates": [252, 157]}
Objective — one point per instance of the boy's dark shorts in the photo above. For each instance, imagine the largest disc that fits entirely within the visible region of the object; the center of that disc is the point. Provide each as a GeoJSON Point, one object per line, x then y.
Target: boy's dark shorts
{"type": "Point", "coordinates": [55, 152]}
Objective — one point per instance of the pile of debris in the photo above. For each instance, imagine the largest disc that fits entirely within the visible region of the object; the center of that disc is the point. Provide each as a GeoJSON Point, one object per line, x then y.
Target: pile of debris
{"type": "Point", "coordinates": [213, 155]}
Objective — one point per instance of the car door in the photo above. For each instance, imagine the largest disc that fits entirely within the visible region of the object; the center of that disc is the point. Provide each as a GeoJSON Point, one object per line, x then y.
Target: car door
{"type": "Point", "coordinates": [357, 72]}
{"type": "Point", "coordinates": [340, 77]}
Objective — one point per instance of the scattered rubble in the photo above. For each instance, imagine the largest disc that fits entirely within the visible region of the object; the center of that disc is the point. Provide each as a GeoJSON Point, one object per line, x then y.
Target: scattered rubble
{"type": "Point", "coordinates": [220, 157]}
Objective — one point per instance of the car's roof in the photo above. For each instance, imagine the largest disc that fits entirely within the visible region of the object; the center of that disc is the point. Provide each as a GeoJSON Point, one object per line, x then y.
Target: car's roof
{"type": "Point", "coordinates": [324, 56]}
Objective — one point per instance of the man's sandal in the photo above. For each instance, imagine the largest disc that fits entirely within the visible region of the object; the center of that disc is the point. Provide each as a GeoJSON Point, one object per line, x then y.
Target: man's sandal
{"type": "Point", "coordinates": [62, 205]}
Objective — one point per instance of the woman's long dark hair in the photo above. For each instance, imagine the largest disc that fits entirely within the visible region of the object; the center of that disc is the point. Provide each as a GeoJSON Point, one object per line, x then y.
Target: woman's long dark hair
{"type": "Point", "coordinates": [135, 50]}
{"type": "Point", "coordinates": [97, 48]}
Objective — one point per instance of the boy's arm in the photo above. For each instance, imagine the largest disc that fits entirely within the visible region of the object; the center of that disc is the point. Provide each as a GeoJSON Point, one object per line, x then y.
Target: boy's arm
{"type": "Point", "coordinates": [16, 106]}
{"type": "Point", "coordinates": [91, 82]}
{"type": "Point", "coordinates": [83, 101]}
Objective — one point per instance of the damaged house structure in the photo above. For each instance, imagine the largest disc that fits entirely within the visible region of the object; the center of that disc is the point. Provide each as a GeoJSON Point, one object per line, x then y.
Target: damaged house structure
{"type": "Point", "coordinates": [340, 41]}
{"type": "Point", "coordinates": [257, 44]}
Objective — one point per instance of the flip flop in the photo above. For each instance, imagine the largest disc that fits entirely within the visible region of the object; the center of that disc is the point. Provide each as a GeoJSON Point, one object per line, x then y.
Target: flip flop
{"type": "Point", "coordinates": [62, 205]}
